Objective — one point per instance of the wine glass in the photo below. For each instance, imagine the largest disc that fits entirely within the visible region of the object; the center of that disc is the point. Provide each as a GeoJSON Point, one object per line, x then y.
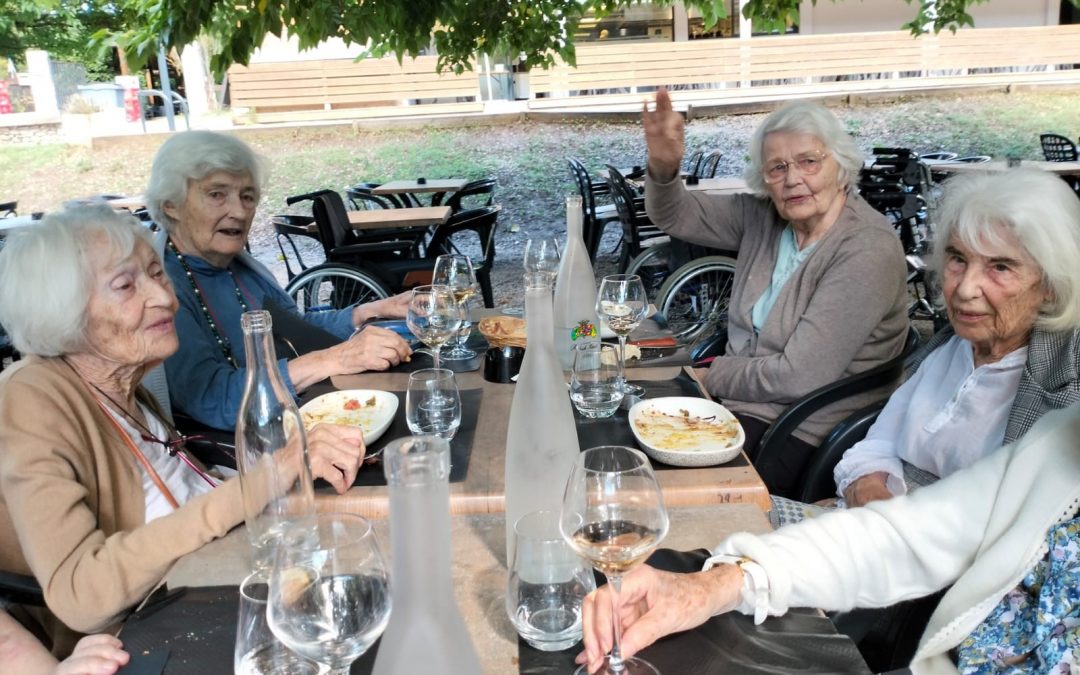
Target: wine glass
{"type": "Point", "coordinates": [432, 403]}
{"type": "Point", "coordinates": [542, 255]}
{"type": "Point", "coordinates": [330, 594]}
{"type": "Point", "coordinates": [613, 515]}
{"type": "Point", "coordinates": [623, 303]}
{"type": "Point", "coordinates": [433, 316]}
{"type": "Point", "coordinates": [456, 271]}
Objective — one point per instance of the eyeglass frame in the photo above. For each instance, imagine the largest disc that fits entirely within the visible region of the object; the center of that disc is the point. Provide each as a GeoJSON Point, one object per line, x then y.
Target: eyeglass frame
{"type": "Point", "coordinates": [818, 155]}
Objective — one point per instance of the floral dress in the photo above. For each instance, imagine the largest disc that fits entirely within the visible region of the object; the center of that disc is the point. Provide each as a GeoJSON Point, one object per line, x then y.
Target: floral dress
{"type": "Point", "coordinates": [1036, 626]}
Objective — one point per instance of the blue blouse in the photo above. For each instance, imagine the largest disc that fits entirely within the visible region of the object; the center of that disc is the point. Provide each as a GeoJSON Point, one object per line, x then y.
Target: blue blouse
{"type": "Point", "coordinates": [202, 382]}
{"type": "Point", "coordinates": [1036, 626]}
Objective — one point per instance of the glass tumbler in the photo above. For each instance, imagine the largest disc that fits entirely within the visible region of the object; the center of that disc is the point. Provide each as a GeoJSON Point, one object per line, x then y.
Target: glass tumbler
{"type": "Point", "coordinates": [432, 403]}
{"type": "Point", "coordinates": [546, 584]}
{"type": "Point", "coordinates": [595, 388]}
{"type": "Point", "coordinates": [258, 651]}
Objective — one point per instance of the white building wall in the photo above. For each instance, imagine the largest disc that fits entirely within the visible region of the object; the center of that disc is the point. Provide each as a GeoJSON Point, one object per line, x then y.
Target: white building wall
{"type": "Point", "coordinates": [275, 49]}
{"type": "Point", "coordinates": [852, 16]}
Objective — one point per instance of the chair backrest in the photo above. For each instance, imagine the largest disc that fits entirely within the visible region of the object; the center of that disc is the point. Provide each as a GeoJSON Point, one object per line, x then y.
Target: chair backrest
{"type": "Point", "coordinates": [691, 162]}
{"type": "Point", "coordinates": [707, 167]}
{"type": "Point", "coordinates": [361, 198]}
{"type": "Point", "coordinates": [817, 481]}
{"type": "Point", "coordinates": [332, 219]}
{"type": "Point", "coordinates": [476, 194]}
{"type": "Point", "coordinates": [1058, 148]}
{"type": "Point", "coordinates": [7, 209]}
{"type": "Point", "coordinates": [286, 227]}
{"type": "Point", "coordinates": [483, 221]}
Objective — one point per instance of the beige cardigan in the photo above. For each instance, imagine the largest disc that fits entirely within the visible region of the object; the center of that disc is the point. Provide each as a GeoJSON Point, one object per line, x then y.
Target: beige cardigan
{"type": "Point", "coordinates": [72, 507]}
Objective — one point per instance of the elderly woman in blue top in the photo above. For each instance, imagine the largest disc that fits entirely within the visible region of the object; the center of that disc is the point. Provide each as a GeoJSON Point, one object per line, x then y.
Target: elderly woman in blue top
{"type": "Point", "coordinates": [204, 188]}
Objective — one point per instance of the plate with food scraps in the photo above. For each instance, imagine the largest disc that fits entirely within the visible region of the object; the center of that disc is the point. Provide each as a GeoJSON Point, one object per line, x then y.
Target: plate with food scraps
{"type": "Point", "coordinates": [371, 410]}
{"type": "Point", "coordinates": [686, 431]}
{"type": "Point", "coordinates": [607, 334]}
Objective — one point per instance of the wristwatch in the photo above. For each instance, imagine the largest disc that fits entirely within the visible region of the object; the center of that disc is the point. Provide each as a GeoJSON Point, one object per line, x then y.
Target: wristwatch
{"type": "Point", "coordinates": [755, 590]}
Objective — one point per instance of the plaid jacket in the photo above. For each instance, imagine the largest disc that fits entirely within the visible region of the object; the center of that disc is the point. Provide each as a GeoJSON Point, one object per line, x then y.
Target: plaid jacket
{"type": "Point", "coordinates": [1051, 378]}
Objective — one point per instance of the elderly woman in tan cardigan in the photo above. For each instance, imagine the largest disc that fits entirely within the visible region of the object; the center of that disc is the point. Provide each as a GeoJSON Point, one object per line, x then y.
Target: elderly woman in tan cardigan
{"type": "Point", "coordinates": [92, 502]}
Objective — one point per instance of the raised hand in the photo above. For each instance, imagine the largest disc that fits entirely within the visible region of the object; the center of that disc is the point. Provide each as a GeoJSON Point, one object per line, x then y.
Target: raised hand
{"type": "Point", "coordinates": [664, 137]}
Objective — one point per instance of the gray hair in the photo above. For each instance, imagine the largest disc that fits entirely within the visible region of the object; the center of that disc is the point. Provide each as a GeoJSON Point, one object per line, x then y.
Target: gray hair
{"type": "Point", "coordinates": [806, 117]}
{"type": "Point", "coordinates": [192, 156]}
{"type": "Point", "coordinates": [1040, 210]}
{"type": "Point", "coordinates": [47, 273]}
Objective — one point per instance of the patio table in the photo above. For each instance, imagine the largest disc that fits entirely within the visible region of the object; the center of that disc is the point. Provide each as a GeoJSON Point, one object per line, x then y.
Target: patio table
{"type": "Point", "coordinates": [132, 203]}
{"type": "Point", "coordinates": [1060, 168]}
{"type": "Point", "coordinates": [398, 187]}
{"type": "Point", "coordinates": [374, 219]}
{"type": "Point", "coordinates": [15, 221]}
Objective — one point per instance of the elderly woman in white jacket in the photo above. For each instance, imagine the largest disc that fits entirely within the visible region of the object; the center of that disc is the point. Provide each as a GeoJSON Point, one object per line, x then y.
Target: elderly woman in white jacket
{"type": "Point", "coordinates": [1003, 532]}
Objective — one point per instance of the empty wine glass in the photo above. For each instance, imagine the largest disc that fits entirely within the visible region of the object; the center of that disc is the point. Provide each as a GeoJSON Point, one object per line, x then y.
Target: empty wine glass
{"type": "Point", "coordinates": [432, 403]}
{"type": "Point", "coordinates": [542, 255]}
{"type": "Point", "coordinates": [330, 594]}
{"type": "Point", "coordinates": [456, 271]}
{"type": "Point", "coordinates": [433, 316]}
{"type": "Point", "coordinates": [613, 515]}
{"type": "Point", "coordinates": [623, 303]}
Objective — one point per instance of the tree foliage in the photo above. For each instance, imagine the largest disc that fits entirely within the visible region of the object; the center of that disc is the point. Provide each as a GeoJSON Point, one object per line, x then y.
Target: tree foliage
{"type": "Point", "coordinates": [64, 28]}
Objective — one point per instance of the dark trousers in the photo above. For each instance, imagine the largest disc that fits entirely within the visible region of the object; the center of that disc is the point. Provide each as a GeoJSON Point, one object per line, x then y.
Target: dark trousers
{"type": "Point", "coordinates": [781, 474]}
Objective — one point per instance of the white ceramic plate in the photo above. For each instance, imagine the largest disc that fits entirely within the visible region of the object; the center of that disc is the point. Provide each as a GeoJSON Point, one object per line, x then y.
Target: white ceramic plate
{"type": "Point", "coordinates": [607, 334]}
{"type": "Point", "coordinates": [686, 431]}
{"type": "Point", "coordinates": [369, 409]}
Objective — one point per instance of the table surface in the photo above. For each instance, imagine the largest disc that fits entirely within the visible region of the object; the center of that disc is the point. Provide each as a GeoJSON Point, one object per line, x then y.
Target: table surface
{"type": "Point", "coordinates": [16, 221]}
{"type": "Point", "coordinates": [131, 203]}
{"type": "Point", "coordinates": [421, 216]}
{"type": "Point", "coordinates": [411, 186]}
{"type": "Point", "coordinates": [1061, 168]}
{"type": "Point", "coordinates": [482, 490]}
{"type": "Point", "coordinates": [478, 571]}
{"type": "Point", "coordinates": [721, 185]}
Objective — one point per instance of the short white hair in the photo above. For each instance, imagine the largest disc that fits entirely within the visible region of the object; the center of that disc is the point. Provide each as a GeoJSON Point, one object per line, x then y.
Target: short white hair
{"type": "Point", "coordinates": [1040, 210]}
{"type": "Point", "coordinates": [47, 273]}
{"type": "Point", "coordinates": [806, 117]}
{"type": "Point", "coordinates": [192, 156]}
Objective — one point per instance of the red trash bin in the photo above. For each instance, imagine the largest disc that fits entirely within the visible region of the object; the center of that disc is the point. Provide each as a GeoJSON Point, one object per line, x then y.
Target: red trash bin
{"type": "Point", "coordinates": [132, 110]}
{"type": "Point", "coordinates": [5, 98]}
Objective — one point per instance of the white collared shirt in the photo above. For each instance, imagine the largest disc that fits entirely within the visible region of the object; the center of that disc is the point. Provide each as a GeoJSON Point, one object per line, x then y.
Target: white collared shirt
{"type": "Point", "coordinates": [947, 416]}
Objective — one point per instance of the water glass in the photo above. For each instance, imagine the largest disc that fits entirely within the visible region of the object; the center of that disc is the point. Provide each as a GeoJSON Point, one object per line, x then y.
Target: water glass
{"type": "Point", "coordinates": [258, 652]}
{"type": "Point", "coordinates": [542, 255]}
{"type": "Point", "coordinates": [432, 403]}
{"type": "Point", "coordinates": [595, 388]}
{"type": "Point", "coordinates": [546, 584]}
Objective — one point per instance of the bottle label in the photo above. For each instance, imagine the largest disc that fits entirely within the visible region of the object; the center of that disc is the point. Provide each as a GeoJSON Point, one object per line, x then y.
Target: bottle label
{"type": "Point", "coordinates": [583, 329]}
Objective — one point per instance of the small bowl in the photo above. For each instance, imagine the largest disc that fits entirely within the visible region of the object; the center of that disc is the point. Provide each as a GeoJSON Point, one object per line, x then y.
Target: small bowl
{"type": "Point", "coordinates": [370, 409]}
{"type": "Point", "coordinates": [686, 431]}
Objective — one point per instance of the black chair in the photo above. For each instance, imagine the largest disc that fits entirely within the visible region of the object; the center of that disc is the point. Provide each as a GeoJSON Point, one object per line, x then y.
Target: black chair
{"type": "Point", "coordinates": [448, 238]}
{"type": "Point", "coordinates": [475, 195]}
{"type": "Point", "coordinates": [772, 448]}
{"type": "Point", "coordinates": [939, 156]}
{"type": "Point", "coordinates": [7, 209]}
{"type": "Point", "coordinates": [361, 197]}
{"type": "Point", "coordinates": [286, 229]}
{"type": "Point", "coordinates": [596, 216]}
{"type": "Point", "coordinates": [638, 230]}
{"type": "Point", "coordinates": [974, 159]}
{"type": "Point", "coordinates": [1058, 148]}
{"type": "Point", "coordinates": [707, 167]}
{"type": "Point", "coordinates": [21, 589]}
{"type": "Point", "coordinates": [691, 162]}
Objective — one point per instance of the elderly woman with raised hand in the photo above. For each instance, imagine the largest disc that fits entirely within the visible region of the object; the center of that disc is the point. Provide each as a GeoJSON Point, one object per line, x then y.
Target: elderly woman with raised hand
{"type": "Point", "coordinates": [819, 290]}
{"type": "Point", "coordinates": [1004, 533]}
{"type": "Point", "coordinates": [96, 499]}
{"type": "Point", "coordinates": [203, 190]}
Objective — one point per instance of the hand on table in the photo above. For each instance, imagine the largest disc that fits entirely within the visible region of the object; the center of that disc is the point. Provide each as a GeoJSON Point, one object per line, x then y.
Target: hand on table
{"type": "Point", "coordinates": [336, 452]}
{"type": "Point", "coordinates": [865, 489]}
{"type": "Point", "coordinates": [373, 348]}
{"type": "Point", "coordinates": [664, 137]}
{"type": "Point", "coordinates": [94, 655]}
{"type": "Point", "coordinates": [655, 604]}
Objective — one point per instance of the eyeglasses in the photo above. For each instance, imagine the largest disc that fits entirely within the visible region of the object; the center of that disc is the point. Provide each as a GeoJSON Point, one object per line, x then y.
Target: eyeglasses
{"type": "Point", "coordinates": [809, 164]}
{"type": "Point", "coordinates": [175, 446]}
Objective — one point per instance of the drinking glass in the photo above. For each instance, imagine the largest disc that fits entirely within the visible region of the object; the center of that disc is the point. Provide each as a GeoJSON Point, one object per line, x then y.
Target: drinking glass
{"type": "Point", "coordinates": [329, 595]}
{"type": "Point", "coordinates": [258, 652]}
{"type": "Point", "coordinates": [546, 584]}
{"type": "Point", "coordinates": [622, 302]}
{"type": "Point", "coordinates": [542, 255]}
{"type": "Point", "coordinates": [595, 388]}
{"type": "Point", "coordinates": [613, 515]}
{"type": "Point", "coordinates": [432, 403]}
{"type": "Point", "coordinates": [456, 271]}
{"type": "Point", "coordinates": [433, 317]}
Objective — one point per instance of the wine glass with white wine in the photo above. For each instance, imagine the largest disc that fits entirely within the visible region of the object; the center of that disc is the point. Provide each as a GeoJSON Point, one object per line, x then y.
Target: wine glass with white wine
{"type": "Point", "coordinates": [456, 271]}
{"type": "Point", "coordinates": [623, 304]}
{"type": "Point", "coordinates": [613, 515]}
{"type": "Point", "coordinates": [433, 317]}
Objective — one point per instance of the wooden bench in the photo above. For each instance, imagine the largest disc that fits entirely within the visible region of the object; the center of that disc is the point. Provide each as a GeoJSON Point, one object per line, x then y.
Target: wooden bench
{"type": "Point", "coordinates": [347, 89]}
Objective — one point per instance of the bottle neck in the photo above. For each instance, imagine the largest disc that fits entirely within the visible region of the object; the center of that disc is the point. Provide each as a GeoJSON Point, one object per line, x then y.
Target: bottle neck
{"type": "Point", "coordinates": [539, 317]}
{"type": "Point", "coordinates": [574, 222]}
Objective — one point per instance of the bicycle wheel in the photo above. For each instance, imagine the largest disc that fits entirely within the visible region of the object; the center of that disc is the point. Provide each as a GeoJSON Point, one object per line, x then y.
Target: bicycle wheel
{"type": "Point", "coordinates": [653, 265]}
{"type": "Point", "coordinates": [694, 299]}
{"type": "Point", "coordinates": [334, 286]}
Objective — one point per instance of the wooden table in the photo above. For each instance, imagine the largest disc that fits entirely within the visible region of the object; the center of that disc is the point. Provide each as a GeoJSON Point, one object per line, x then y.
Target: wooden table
{"type": "Point", "coordinates": [724, 185]}
{"type": "Point", "coordinates": [1060, 168]}
{"type": "Point", "coordinates": [15, 222]}
{"type": "Point", "coordinates": [398, 187]}
{"type": "Point", "coordinates": [132, 203]}
{"type": "Point", "coordinates": [482, 490]}
{"type": "Point", "coordinates": [478, 572]}
{"type": "Point", "coordinates": [421, 216]}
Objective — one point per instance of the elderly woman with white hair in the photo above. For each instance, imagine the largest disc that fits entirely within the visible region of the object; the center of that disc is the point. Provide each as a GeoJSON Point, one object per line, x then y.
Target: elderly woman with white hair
{"type": "Point", "coordinates": [203, 190]}
{"type": "Point", "coordinates": [819, 290]}
{"type": "Point", "coordinates": [98, 498]}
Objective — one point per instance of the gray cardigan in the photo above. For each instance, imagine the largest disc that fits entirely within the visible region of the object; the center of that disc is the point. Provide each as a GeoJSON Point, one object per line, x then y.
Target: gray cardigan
{"type": "Point", "coordinates": [843, 311]}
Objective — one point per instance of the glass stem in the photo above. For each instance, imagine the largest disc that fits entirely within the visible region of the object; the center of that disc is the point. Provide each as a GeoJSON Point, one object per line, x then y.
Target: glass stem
{"type": "Point", "coordinates": [615, 660]}
{"type": "Point", "coordinates": [622, 361]}
{"type": "Point", "coordinates": [435, 355]}
{"type": "Point", "coordinates": [340, 671]}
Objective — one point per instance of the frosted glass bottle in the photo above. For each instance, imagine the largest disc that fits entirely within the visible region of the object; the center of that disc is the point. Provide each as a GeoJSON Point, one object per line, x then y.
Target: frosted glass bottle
{"type": "Point", "coordinates": [575, 290]}
{"type": "Point", "coordinates": [541, 441]}
{"type": "Point", "coordinates": [426, 633]}
{"type": "Point", "coordinates": [271, 448]}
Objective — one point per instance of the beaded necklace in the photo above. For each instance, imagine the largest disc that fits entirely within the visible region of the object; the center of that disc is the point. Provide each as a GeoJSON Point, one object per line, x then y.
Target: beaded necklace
{"type": "Point", "coordinates": [222, 341]}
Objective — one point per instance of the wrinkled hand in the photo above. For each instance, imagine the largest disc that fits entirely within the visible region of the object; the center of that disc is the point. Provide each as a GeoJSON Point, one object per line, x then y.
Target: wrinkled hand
{"type": "Point", "coordinates": [866, 489]}
{"type": "Point", "coordinates": [654, 604]}
{"type": "Point", "coordinates": [336, 453]}
{"type": "Point", "coordinates": [373, 348]}
{"type": "Point", "coordinates": [394, 307]}
{"type": "Point", "coordinates": [94, 655]}
{"type": "Point", "coordinates": [664, 137]}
